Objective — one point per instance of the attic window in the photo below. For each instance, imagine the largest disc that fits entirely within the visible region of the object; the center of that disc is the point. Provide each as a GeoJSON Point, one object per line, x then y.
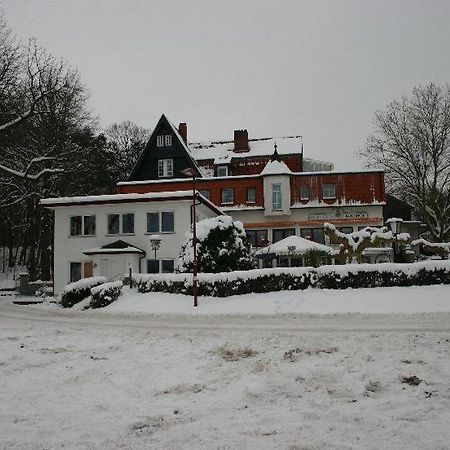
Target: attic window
{"type": "Point", "coordinates": [329, 191]}
{"type": "Point", "coordinates": [304, 192]}
{"type": "Point", "coordinates": [165, 168]}
{"type": "Point", "coordinates": [222, 171]}
{"type": "Point", "coordinates": [164, 140]}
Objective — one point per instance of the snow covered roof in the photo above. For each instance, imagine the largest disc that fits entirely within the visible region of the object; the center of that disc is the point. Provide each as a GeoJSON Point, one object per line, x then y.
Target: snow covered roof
{"type": "Point", "coordinates": [276, 168]}
{"type": "Point", "coordinates": [223, 151]}
{"type": "Point", "coordinates": [127, 198]}
{"type": "Point", "coordinates": [298, 245]}
{"type": "Point", "coordinates": [114, 248]}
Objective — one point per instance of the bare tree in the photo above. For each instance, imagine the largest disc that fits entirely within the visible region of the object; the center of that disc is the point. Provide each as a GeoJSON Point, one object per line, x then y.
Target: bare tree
{"type": "Point", "coordinates": [412, 144]}
{"type": "Point", "coordinates": [126, 140]}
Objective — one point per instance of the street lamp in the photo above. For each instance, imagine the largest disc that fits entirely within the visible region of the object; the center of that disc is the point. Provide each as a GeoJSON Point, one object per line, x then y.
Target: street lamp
{"type": "Point", "coordinates": [155, 241]}
{"type": "Point", "coordinates": [394, 224]}
{"type": "Point", "coordinates": [191, 172]}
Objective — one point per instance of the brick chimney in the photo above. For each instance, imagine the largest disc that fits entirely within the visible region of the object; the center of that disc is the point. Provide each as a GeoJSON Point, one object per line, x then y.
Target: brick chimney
{"type": "Point", "coordinates": [182, 129]}
{"type": "Point", "coordinates": [241, 141]}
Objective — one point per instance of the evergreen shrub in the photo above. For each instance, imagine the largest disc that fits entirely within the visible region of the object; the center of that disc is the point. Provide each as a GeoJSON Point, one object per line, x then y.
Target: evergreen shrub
{"type": "Point", "coordinates": [105, 294]}
{"type": "Point", "coordinates": [74, 292]}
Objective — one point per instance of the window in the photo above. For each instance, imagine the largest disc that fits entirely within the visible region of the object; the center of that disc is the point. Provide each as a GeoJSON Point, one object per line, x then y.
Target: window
{"type": "Point", "coordinates": [282, 233]}
{"type": "Point", "coordinates": [163, 222]}
{"type": "Point", "coordinates": [167, 222]}
{"type": "Point", "coordinates": [152, 222]}
{"type": "Point", "coordinates": [258, 238]}
{"type": "Point", "coordinates": [313, 234]}
{"type": "Point", "coordinates": [329, 191]}
{"type": "Point", "coordinates": [276, 197]}
{"type": "Point", "coordinates": [227, 196]}
{"type": "Point", "coordinates": [206, 193]}
{"type": "Point", "coordinates": [82, 226]}
{"type": "Point", "coordinates": [75, 271]}
{"type": "Point", "coordinates": [165, 168]}
{"type": "Point", "coordinates": [251, 195]}
{"type": "Point", "coordinates": [164, 140]}
{"type": "Point", "coordinates": [121, 223]}
{"type": "Point", "coordinates": [152, 266]}
{"type": "Point", "coordinates": [304, 192]}
{"type": "Point", "coordinates": [222, 171]}
{"type": "Point", "coordinates": [167, 266]}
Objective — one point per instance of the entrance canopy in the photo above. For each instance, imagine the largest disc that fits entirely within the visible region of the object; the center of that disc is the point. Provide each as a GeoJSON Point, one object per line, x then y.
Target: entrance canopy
{"type": "Point", "coordinates": [116, 247]}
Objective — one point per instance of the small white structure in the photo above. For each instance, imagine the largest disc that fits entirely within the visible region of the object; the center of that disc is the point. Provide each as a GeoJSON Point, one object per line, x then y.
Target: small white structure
{"type": "Point", "coordinates": [110, 234]}
{"type": "Point", "coordinates": [292, 249]}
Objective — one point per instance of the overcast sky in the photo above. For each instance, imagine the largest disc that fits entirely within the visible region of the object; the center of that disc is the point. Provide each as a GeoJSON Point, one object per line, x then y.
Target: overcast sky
{"type": "Point", "coordinates": [309, 67]}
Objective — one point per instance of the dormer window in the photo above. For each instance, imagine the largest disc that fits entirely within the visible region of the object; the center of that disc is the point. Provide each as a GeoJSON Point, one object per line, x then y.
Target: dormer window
{"type": "Point", "coordinates": [165, 168]}
{"type": "Point", "coordinates": [164, 140]}
{"type": "Point", "coordinates": [222, 171]}
{"type": "Point", "coordinates": [328, 191]}
{"type": "Point", "coordinates": [304, 192]}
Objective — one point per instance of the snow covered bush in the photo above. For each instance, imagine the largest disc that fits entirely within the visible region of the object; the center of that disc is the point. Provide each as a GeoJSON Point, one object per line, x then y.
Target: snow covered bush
{"type": "Point", "coordinates": [222, 246]}
{"type": "Point", "coordinates": [441, 249]}
{"type": "Point", "coordinates": [296, 278]}
{"type": "Point", "coordinates": [74, 292]}
{"type": "Point", "coordinates": [105, 294]}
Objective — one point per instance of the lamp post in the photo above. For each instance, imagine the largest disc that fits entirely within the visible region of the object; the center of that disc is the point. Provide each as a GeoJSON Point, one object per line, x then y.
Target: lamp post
{"type": "Point", "coordinates": [394, 224]}
{"type": "Point", "coordinates": [191, 172]}
{"type": "Point", "coordinates": [155, 241]}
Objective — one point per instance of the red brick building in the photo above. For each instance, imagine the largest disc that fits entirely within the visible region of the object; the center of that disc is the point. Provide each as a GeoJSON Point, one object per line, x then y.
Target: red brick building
{"type": "Point", "coordinates": [265, 183]}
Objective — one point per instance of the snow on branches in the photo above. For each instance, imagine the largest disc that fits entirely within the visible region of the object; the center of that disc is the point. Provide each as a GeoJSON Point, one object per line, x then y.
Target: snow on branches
{"type": "Point", "coordinates": [222, 246]}
{"type": "Point", "coordinates": [353, 244]}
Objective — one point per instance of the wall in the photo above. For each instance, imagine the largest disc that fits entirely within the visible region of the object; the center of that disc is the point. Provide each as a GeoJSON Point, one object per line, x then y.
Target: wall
{"type": "Point", "coordinates": [70, 248]}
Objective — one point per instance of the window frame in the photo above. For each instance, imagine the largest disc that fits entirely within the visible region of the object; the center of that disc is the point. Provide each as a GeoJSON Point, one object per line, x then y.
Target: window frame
{"type": "Point", "coordinates": [302, 197]}
{"type": "Point", "coordinates": [325, 187]}
{"type": "Point", "coordinates": [160, 140]}
{"type": "Point", "coordinates": [222, 167]}
{"type": "Point", "coordinates": [163, 168]}
{"type": "Point", "coordinates": [159, 215]}
{"type": "Point", "coordinates": [168, 140]}
{"type": "Point", "coordinates": [120, 224]}
{"type": "Point", "coordinates": [285, 232]}
{"type": "Point", "coordinates": [83, 225]}
{"type": "Point", "coordinates": [222, 192]}
{"type": "Point", "coordinates": [157, 261]}
{"type": "Point", "coordinates": [249, 200]}
{"type": "Point", "coordinates": [167, 260]}
{"type": "Point", "coordinates": [70, 270]}
{"type": "Point", "coordinates": [277, 197]}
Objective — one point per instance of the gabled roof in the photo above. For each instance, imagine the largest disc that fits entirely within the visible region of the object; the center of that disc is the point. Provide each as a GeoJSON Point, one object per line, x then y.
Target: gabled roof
{"type": "Point", "coordinates": [114, 248]}
{"type": "Point", "coordinates": [163, 119]}
{"type": "Point", "coordinates": [293, 245]}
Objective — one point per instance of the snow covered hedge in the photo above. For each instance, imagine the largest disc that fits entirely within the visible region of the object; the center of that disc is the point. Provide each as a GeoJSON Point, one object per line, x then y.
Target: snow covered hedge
{"type": "Point", "coordinates": [294, 278]}
{"type": "Point", "coordinates": [106, 293]}
{"type": "Point", "coordinates": [74, 292]}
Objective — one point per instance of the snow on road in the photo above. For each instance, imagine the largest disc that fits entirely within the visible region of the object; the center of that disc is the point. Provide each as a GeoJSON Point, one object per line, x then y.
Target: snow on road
{"type": "Point", "coordinates": [270, 378]}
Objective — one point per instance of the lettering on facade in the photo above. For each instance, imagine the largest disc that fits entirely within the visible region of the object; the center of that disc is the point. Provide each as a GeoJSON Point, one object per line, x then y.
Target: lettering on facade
{"type": "Point", "coordinates": [338, 214]}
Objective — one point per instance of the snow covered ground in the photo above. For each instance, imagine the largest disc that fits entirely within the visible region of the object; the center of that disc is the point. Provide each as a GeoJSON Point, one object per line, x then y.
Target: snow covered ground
{"type": "Point", "coordinates": [286, 370]}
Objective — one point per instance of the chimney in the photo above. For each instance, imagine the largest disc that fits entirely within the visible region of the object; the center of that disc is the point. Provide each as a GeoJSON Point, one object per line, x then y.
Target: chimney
{"type": "Point", "coordinates": [241, 141]}
{"type": "Point", "coordinates": [182, 129]}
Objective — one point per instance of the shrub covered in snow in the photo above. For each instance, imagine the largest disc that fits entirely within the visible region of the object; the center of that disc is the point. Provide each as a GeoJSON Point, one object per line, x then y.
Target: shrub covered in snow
{"type": "Point", "coordinates": [295, 278]}
{"type": "Point", "coordinates": [74, 292]}
{"type": "Point", "coordinates": [222, 246]}
{"type": "Point", "coordinates": [105, 294]}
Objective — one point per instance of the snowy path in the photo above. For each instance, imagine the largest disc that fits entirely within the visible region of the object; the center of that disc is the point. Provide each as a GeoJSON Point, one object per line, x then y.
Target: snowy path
{"type": "Point", "coordinates": [103, 380]}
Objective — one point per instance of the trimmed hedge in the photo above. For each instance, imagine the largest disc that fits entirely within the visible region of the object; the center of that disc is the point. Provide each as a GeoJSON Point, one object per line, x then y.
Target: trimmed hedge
{"type": "Point", "coordinates": [74, 292]}
{"type": "Point", "coordinates": [105, 294]}
{"type": "Point", "coordinates": [324, 277]}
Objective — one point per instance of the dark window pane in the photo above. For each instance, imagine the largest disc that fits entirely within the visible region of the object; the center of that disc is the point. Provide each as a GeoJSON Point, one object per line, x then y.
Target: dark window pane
{"type": "Point", "coordinates": [75, 226]}
{"type": "Point", "coordinates": [304, 192]}
{"type": "Point", "coordinates": [152, 222]}
{"type": "Point", "coordinates": [89, 225]}
{"type": "Point", "coordinates": [75, 271]}
{"type": "Point", "coordinates": [152, 266]}
{"type": "Point", "coordinates": [251, 235]}
{"type": "Point", "coordinates": [167, 221]}
{"type": "Point", "coordinates": [128, 223]}
{"type": "Point", "coordinates": [113, 224]}
{"type": "Point", "coordinates": [227, 195]}
{"type": "Point", "coordinates": [251, 195]}
{"type": "Point", "coordinates": [167, 265]}
{"type": "Point", "coordinates": [318, 235]}
{"type": "Point", "coordinates": [262, 237]}
{"type": "Point", "coordinates": [278, 235]}
{"type": "Point", "coordinates": [306, 233]}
